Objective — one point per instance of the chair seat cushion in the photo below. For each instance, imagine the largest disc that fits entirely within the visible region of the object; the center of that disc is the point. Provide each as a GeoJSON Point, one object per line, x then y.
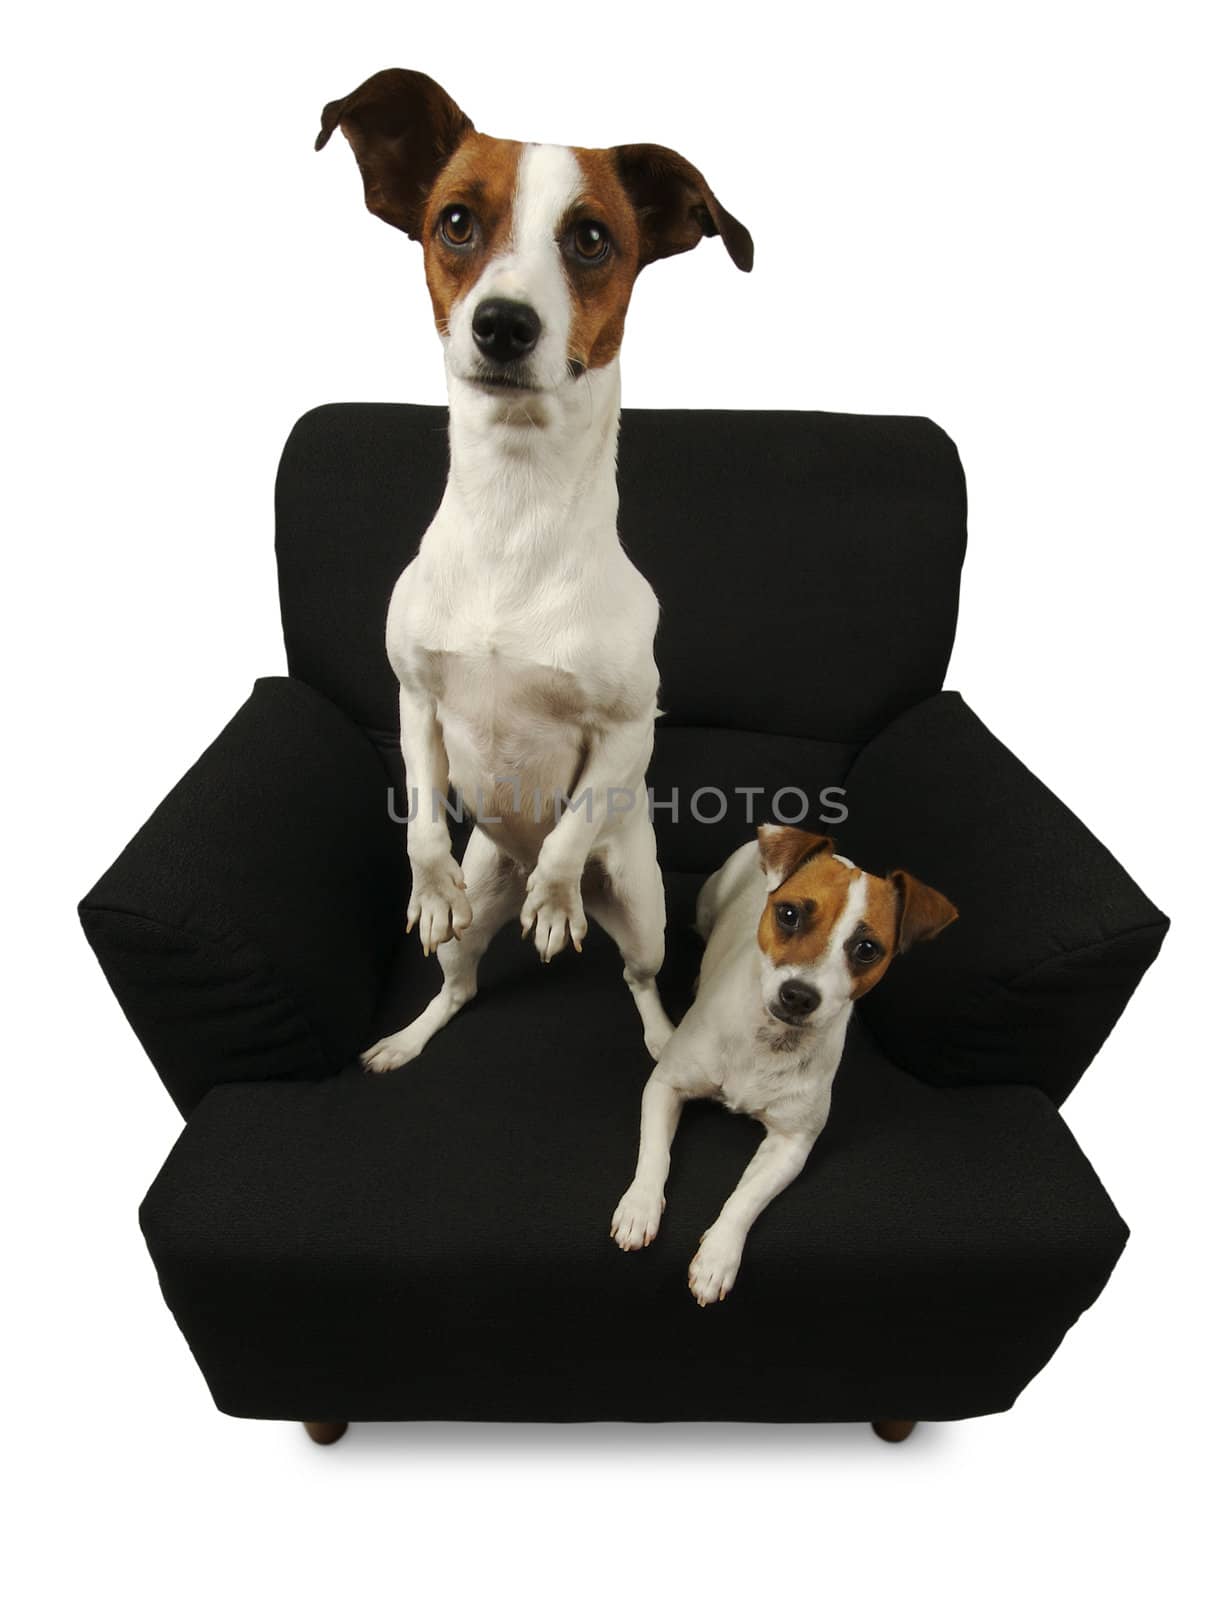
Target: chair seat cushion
{"type": "Point", "coordinates": [434, 1243]}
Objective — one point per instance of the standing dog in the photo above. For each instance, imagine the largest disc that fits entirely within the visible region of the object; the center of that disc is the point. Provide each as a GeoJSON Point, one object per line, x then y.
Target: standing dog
{"type": "Point", "coordinates": [766, 1032]}
{"type": "Point", "coordinates": [521, 635]}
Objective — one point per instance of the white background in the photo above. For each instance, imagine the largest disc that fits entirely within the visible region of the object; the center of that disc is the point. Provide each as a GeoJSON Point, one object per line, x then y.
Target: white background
{"type": "Point", "coordinates": [1003, 217]}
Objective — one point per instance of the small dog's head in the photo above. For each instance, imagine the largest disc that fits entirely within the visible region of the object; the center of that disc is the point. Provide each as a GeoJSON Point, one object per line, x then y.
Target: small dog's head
{"type": "Point", "coordinates": [829, 931]}
{"type": "Point", "coordinates": [531, 249]}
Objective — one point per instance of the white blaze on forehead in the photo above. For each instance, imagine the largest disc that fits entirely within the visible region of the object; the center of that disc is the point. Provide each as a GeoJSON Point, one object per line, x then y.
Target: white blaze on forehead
{"type": "Point", "coordinates": [830, 973]}
{"type": "Point", "coordinates": [833, 962]}
{"type": "Point", "coordinates": [547, 182]}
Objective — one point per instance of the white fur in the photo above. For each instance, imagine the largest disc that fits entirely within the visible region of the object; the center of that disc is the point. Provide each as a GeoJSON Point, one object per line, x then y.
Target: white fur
{"type": "Point", "coordinates": [729, 1047]}
{"type": "Point", "coordinates": [522, 639]}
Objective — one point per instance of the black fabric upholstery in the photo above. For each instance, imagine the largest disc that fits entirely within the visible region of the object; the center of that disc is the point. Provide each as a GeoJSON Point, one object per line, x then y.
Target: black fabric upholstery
{"type": "Point", "coordinates": [1053, 934]}
{"type": "Point", "coordinates": [434, 1243]}
{"type": "Point", "coordinates": [248, 927]}
{"type": "Point", "coordinates": [711, 786]}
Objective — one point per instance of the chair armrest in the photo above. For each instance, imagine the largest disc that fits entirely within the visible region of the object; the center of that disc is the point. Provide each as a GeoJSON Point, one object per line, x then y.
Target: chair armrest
{"type": "Point", "coordinates": [1053, 935]}
{"type": "Point", "coordinates": [248, 927]}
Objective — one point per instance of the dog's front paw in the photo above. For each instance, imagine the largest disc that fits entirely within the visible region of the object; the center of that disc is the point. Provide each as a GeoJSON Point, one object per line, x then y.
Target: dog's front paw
{"type": "Point", "coordinates": [637, 1217]}
{"type": "Point", "coordinates": [437, 903]}
{"type": "Point", "coordinates": [553, 913]}
{"type": "Point", "coordinates": [714, 1266]}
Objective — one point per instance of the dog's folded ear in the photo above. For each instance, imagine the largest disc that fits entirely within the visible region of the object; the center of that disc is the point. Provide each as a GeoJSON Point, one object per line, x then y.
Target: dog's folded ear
{"type": "Point", "coordinates": [921, 911]}
{"type": "Point", "coordinates": [402, 128]}
{"type": "Point", "coordinates": [675, 206]}
{"type": "Point", "coordinates": [783, 849]}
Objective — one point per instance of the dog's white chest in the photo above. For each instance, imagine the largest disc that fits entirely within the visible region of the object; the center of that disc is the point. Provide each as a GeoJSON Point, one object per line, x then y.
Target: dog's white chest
{"type": "Point", "coordinates": [774, 1082]}
{"type": "Point", "coordinates": [504, 714]}
{"type": "Point", "coordinates": [518, 688]}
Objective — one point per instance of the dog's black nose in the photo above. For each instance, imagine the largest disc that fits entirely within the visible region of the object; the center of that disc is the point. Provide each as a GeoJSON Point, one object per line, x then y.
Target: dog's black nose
{"type": "Point", "coordinates": [505, 330]}
{"type": "Point", "coordinates": [797, 999]}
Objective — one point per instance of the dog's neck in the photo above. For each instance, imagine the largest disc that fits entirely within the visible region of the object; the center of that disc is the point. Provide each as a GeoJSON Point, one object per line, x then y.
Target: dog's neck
{"type": "Point", "coordinates": [533, 476]}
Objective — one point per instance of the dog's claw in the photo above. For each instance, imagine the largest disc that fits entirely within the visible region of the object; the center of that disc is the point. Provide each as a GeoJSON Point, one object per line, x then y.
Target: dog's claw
{"type": "Point", "coordinates": [714, 1269]}
{"type": "Point", "coordinates": [552, 915]}
{"type": "Point", "coordinates": [438, 907]}
{"type": "Point", "coordinates": [637, 1218]}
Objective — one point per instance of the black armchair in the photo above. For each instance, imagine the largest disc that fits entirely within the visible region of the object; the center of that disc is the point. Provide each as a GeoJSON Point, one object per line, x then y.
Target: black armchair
{"type": "Point", "coordinates": [433, 1244]}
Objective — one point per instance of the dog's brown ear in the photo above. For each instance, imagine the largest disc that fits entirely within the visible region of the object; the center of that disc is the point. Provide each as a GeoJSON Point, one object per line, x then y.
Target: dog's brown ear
{"type": "Point", "coordinates": [675, 206]}
{"type": "Point", "coordinates": [783, 849]}
{"type": "Point", "coordinates": [921, 911]}
{"type": "Point", "coordinates": [402, 127]}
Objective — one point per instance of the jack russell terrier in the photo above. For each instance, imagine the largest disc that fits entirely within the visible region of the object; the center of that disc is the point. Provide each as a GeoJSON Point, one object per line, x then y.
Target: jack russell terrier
{"type": "Point", "coordinates": [766, 1032]}
{"type": "Point", "coordinates": [521, 635]}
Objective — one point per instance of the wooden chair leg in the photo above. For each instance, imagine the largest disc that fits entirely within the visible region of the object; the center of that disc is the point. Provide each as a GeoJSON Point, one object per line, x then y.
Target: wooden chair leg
{"type": "Point", "coordinates": [893, 1432]}
{"type": "Point", "coordinates": [325, 1432]}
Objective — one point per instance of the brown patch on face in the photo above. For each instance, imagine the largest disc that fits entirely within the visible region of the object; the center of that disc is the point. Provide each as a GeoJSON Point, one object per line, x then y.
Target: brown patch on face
{"type": "Point", "coordinates": [600, 291]}
{"type": "Point", "coordinates": [481, 176]}
{"type": "Point", "coordinates": [818, 889]}
{"type": "Point", "coordinates": [878, 926]}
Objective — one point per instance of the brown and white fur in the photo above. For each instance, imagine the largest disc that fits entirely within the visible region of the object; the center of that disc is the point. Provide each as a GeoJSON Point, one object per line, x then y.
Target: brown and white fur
{"type": "Point", "coordinates": [777, 985]}
{"type": "Point", "coordinates": [521, 635]}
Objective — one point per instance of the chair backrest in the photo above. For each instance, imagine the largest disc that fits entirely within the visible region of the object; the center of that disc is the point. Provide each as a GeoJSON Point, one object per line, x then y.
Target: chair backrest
{"type": "Point", "coordinates": [807, 565]}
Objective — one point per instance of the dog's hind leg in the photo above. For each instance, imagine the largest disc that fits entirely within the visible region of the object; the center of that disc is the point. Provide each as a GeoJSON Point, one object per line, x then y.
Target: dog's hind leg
{"type": "Point", "coordinates": [627, 899]}
{"type": "Point", "coordinates": [495, 888]}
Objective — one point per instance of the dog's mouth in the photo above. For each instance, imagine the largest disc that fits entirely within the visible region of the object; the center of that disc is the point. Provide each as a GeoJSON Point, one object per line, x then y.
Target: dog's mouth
{"type": "Point", "coordinates": [503, 382]}
{"type": "Point", "coordinates": [788, 1020]}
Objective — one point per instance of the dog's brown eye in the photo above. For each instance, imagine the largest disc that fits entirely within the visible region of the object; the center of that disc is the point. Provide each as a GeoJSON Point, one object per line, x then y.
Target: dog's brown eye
{"type": "Point", "coordinates": [865, 951]}
{"type": "Point", "coordinates": [591, 241]}
{"type": "Point", "coordinates": [456, 226]}
{"type": "Point", "coordinates": [787, 917]}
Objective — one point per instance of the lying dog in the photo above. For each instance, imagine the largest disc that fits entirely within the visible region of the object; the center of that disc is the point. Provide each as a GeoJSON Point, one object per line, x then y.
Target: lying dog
{"type": "Point", "coordinates": [521, 635]}
{"type": "Point", "coordinates": [766, 1032]}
